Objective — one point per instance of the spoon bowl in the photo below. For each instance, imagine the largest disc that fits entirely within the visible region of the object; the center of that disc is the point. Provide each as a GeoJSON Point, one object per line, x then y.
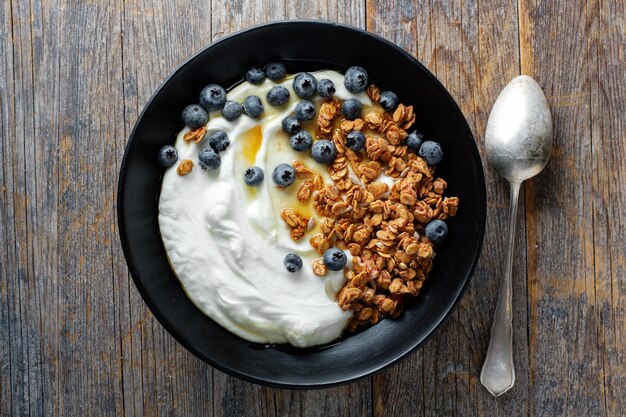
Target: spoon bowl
{"type": "Point", "coordinates": [518, 140]}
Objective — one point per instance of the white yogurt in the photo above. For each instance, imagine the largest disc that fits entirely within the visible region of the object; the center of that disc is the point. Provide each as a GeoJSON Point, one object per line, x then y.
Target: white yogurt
{"type": "Point", "coordinates": [226, 241]}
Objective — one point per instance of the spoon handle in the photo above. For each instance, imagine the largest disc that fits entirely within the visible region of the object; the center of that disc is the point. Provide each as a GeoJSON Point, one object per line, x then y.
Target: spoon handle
{"type": "Point", "coordinates": [498, 373]}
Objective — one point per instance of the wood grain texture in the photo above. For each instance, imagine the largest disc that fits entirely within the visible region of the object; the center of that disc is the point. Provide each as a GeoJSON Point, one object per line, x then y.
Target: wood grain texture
{"type": "Point", "coordinates": [75, 336]}
{"type": "Point", "coordinates": [160, 376]}
{"type": "Point", "coordinates": [87, 365]}
{"type": "Point", "coordinates": [569, 227]}
{"type": "Point", "coordinates": [608, 136]}
{"type": "Point", "coordinates": [29, 213]}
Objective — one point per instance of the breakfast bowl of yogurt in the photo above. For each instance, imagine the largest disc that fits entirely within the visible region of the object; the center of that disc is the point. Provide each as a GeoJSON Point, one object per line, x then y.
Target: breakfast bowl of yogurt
{"type": "Point", "coordinates": [301, 217]}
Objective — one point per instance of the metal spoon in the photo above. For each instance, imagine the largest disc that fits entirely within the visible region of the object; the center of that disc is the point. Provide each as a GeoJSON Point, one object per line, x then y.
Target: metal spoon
{"type": "Point", "coordinates": [518, 142]}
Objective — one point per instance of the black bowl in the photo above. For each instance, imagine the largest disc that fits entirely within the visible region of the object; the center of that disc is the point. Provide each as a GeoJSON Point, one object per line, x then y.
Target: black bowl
{"type": "Point", "coordinates": [322, 45]}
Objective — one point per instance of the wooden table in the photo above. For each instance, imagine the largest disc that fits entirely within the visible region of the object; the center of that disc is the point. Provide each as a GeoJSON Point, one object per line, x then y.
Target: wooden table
{"type": "Point", "coordinates": [76, 337]}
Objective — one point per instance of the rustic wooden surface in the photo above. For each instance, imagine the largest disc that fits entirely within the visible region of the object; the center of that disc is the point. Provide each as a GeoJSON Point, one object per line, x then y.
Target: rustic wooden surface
{"type": "Point", "coordinates": [75, 336]}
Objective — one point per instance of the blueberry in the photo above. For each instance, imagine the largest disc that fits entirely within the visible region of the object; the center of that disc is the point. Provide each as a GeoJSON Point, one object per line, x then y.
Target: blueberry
{"type": "Point", "coordinates": [305, 111]}
{"type": "Point", "coordinates": [290, 124]}
{"type": "Point", "coordinates": [209, 159]}
{"type": "Point", "coordinates": [194, 116]}
{"type": "Point", "coordinates": [284, 175]}
{"type": "Point", "coordinates": [305, 84]}
{"type": "Point", "coordinates": [414, 141]}
{"type": "Point", "coordinates": [351, 108]}
{"type": "Point", "coordinates": [253, 176]}
{"type": "Point", "coordinates": [255, 75]}
{"type": "Point", "coordinates": [356, 79]}
{"type": "Point", "coordinates": [293, 262]}
{"type": "Point", "coordinates": [431, 152]}
{"type": "Point", "coordinates": [252, 106]}
{"type": "Point", "coordinates": [212, 97]}
{"type": "Point", "coordinates": [335, 259]}
{"type": "Point", "coordinates": [168, 155]}
{"type": "Point", "coordinates": [388, 100]}
{"type": "Point", "coordinates": [301, 141]}
{"type": "Point", "coordinates": [436, 231]}
{"type": "Point", "coordinates": [324, 151]}
{"type": "Point", "coordinates": [232, 110]}
{"type": "Point", "coordinates": [325, 88]}
{"type": "Point", "coordinates": [219, 141]}
{"type": "Point", "coordinates": [277, 95]}
{"type": "Point", "coordinates": [355, 140]}
{"type": "Point", "coordinates": [275, 71]}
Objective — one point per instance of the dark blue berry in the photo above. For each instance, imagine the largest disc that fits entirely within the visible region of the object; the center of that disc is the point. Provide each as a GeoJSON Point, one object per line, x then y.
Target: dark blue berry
{"type": "Point", "coordinates": [355, 140]}
{"type": "Point", "coordinates": [293, 262]}
{"type": "Point", "coordinates": [351, 108]}
{"type": "Point", "coordinates": [431, 152]}
{"type": "Point", "coordinates": [219, 141]}
{"type": "Point", "coordinates": [301, 141]}
{"type": "Point", "coordinates": [252, 106]}
{"type": "Point", "coordinates": [278, 95]}
{"type": "Point", "coordinates": [290, 124]}
{"type": "Point", "coordinates": [194, 116]}
{"type": "Point", "coordinates": [305, 85]}
{"type": "Point", "coordinates": [208, 158]}
{"type": "Point", "coordinates": [253, 176]}
{"type": "Point", "coordinates": [232, 110]}
{"type": "Point", "coordinates": [284, 175]}
{"type": "Point", "coordinates": [212, 97]}
{"type": "Point", "coordinates": [305, 111]}
{"type": "Point", "coordinates": [324, 151]}
{"type": "Point", "coordinates": [388, 100]}
{"type": "Point", "coordinates": [325, 88]}
{"type": "Point", "coordinates": [255, 75]}
{"type": "Point", "coordinates": [356, 79]}
{"type": "Point", "coordinates": [414, 141]}
{"type": "Point", "coordinates": [168, 155]}
{"type": "Point", "coordinates": [275, 71]}
{"type": "Point", "coordinates": [436, 231]}
{"type": "Point", "coordinates": [335, 259]}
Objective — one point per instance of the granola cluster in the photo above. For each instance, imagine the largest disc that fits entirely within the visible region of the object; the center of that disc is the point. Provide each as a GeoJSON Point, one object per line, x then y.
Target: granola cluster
{"type": "Point", "coordinates": [195, 135]}
{"type": "Point", "coordinates": [382, 227]}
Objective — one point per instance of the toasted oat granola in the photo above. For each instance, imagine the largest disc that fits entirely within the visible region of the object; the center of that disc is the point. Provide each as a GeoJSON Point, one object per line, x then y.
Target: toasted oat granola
{"type": "Point", "coordinates": [382, 227]}
{"type": "Point", "coordinates": [195, 135]}
{"type": "Point", "coordinates": [184, 167]}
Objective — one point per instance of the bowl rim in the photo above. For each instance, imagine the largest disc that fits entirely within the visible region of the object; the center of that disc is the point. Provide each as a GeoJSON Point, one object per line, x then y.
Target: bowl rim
{"type": "Point", "coordinates": [276, 383]}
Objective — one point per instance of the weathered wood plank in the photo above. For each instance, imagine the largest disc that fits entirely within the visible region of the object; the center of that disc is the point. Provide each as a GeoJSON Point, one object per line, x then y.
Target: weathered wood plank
{"type": "Point", "coordinates": [398, 24]}
{"type": "Point", "coordinates": [352, 400]}
{"type": "Point", "coordinates": [567, 372]}
{"type": "Point", "coordinates": [228, 16]}
{"type": "Point", "coordinates": [234, 397]}
{"type": "Point", "coordinates": [47, 108]}
{"type": "Point", "coordinates": [349, 12]}
{"type": "Point", "coordinates": [160, 376]}
{"type": "Point", "coordinates": [29, 223]}
{"type": "Point", "coordinates": [608, 136]}
{"type": "Point", "coordinates": [12, 397]}
{"type": "Point", "coordinates": [474, 62]}
{"type": "Point", "coordinates": [88, 379]}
